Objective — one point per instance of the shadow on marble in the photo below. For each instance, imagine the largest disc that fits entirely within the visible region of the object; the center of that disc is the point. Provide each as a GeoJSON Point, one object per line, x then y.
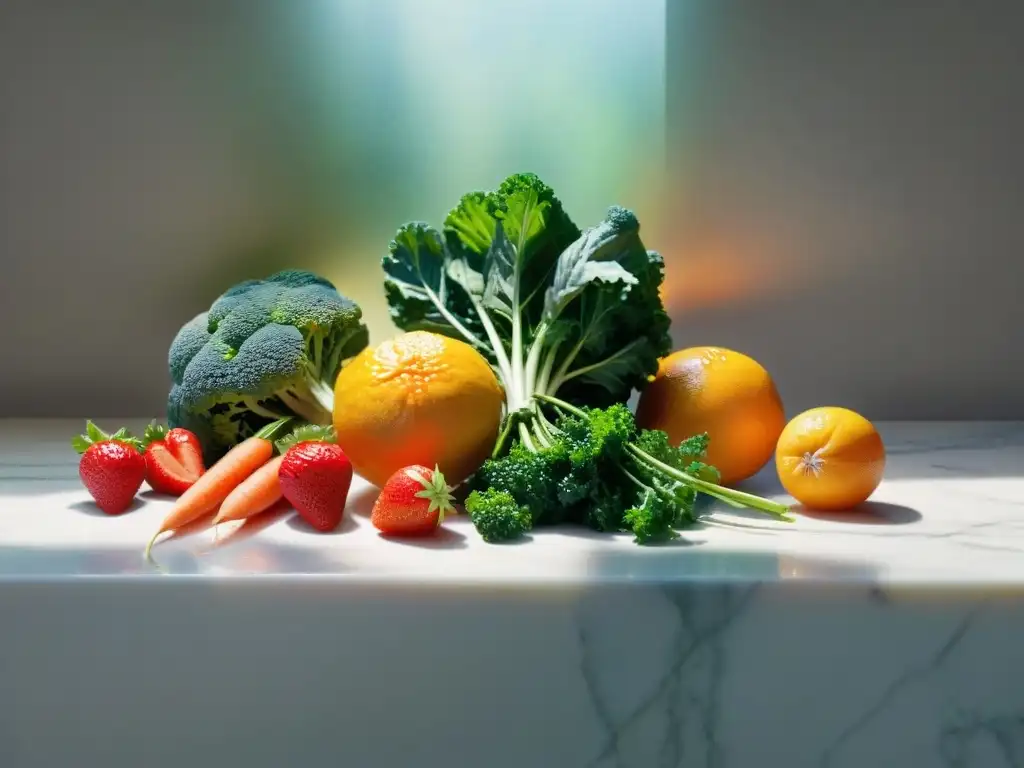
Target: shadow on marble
{"type": "Point", "coordinates": [298, 523]}
{"type": "Point", "coordinates": [444, 538]}
{"type": "Point", "coordinates": [361, 502]}
{"type": "Point", "coordinates": [868, 513]}
{"type": "Point", "coordinates": [88, 507]}
{"type": "Point", "coordinates": [463, 520]}
{"type": "Point", "coordinates": [199, 525]}
{"type": "Point", "coordinates": [687, 536]}
{"type": "Point", "coordinates": [721, 511]}
{"type": "Point", "coordinates": [724, 518]}
{"type": "Point", "coordinates": [235, 533]}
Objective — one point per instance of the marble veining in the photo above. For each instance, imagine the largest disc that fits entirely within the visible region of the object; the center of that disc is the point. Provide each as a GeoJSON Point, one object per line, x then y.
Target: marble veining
{"type": "Point", "coordinates": [890, 637]}
{"type": "Point", "coordinates": [921, 688]}
{"type": "Point", "coordinates": [675, 719]}
{"type": "Point", "coordinates": [908, 677]}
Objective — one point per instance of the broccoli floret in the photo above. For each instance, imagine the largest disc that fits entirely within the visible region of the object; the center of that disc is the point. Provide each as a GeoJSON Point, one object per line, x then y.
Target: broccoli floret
{"type": "Point", "coordinates": [265, 349]}
{"type": "Point", "coordinates": [497, 516]}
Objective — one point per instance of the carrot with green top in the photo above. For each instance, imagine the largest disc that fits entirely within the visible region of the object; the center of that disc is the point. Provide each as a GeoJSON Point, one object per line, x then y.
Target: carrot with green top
{"type": "Point", "coordinates": [217, 483]}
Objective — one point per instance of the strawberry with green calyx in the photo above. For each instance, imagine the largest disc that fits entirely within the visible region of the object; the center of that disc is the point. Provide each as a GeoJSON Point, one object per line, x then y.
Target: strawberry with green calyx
{"type": "Point", "coordinates": [112, 467]}
{"type": "Point", "coordinates": [174, 459]}
{"type": "Point", "coordinates": [307, 433]}
{"type": "Point", "coordinates": [315, 476]}
{"type": "Point", "coordinates": [413, 502]}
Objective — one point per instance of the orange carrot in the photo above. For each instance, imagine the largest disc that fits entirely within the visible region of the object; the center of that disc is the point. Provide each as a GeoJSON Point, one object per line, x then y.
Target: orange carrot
{"type": "Point", "coordinates": [249, 527]}
{"type": "Point", "coordinates": [253, 495]}
{"type": "Point", "coordinates": [213, 486]}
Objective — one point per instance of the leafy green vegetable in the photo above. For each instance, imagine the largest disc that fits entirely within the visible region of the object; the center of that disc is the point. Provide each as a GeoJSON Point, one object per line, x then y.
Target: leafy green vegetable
{"type": "Point", "coordinates": [566, 317]}
{"type": "Point", "coordinates": [498, 516]}
{"type": "Point", "coordinates": [554, 309]}
{"type": "Point", "coordinates": [598, 470]}
{"type": "Point", "coordinates": [266, 349]}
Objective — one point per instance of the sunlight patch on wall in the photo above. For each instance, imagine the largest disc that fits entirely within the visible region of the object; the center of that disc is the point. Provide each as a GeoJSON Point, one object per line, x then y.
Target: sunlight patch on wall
{"type": "Point", "coordinates": [434, 99]}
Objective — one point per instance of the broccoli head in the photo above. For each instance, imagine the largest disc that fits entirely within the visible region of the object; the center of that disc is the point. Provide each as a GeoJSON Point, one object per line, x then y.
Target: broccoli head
{"type": "Point", "coordinates": [497, 515]}
{"type": "Point", "coordinates": [265, 349]}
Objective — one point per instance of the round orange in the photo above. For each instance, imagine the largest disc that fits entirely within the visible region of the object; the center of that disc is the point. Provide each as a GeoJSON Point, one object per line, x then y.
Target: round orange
{"type": "Point", "coordinates": [830, 458]}
{"type": "Point", "coordinates": [419, 398]}
{"type": "Point", "coordinates": [724, 393]}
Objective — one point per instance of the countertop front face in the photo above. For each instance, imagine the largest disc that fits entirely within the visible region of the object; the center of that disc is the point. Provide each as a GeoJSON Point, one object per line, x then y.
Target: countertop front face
{"type": "Point", "coordinates": [888, 637]}
{"type": "Point", "coordinates": [949, 511]}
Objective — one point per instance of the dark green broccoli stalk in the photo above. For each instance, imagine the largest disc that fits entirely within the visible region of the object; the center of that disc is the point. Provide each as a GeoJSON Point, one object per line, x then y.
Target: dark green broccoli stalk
{"type": "Point", "coordinates": [266, 349]}
{"type": "Point", "coordinates": [595, 468]}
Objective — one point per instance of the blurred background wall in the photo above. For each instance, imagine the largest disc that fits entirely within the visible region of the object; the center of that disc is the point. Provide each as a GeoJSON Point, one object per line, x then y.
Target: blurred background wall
{"type": "Point", "coordinates": [836, 186]}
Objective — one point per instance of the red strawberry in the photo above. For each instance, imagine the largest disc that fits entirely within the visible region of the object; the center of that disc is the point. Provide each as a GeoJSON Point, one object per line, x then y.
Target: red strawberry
{"type": "Point", "coordinates": [315, 476]}
{"type": "Point", "coordinates": [413, 502]}
{"type": "Point", "coordinates": [174, 459]}
{"type": "Point", "coordinates": [112, 467]}
{"type": "Point", "coordinates": [186, 448]}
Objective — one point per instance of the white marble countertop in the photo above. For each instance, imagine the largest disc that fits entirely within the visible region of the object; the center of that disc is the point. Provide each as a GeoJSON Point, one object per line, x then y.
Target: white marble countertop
{"type": "Point", "coordinates": [889, 638]}
{"type": "Point", "coordinates": [950, 511]}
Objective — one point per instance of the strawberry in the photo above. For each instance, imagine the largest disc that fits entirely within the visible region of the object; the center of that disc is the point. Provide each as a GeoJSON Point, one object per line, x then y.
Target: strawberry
{"type": "Point", "coordinates": [112, 467]}
{"type": "Point", "coordinates": [174, 459]}
{"type": "Point", "coordinates": [315, 476]}
{"type": "Point", "coordinates": [413, 502]}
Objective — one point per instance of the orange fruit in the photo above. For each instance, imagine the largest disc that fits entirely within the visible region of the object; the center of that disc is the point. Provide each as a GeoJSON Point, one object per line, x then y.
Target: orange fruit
{"type": "Point", "coordinates": [830, 458]}
{"type": "Point", "coordinates": [724, 393]}
{"type": "Point", "coordinates": [419, 398]}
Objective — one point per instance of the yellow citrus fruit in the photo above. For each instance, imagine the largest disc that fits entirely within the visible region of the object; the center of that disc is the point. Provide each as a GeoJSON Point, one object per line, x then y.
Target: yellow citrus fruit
{"type": "Point", "coordinates": [830, 458]}
{"type": "Point", "coordinates": [419, 398]}
{"type": "Point", "coordinates": [724, 393]}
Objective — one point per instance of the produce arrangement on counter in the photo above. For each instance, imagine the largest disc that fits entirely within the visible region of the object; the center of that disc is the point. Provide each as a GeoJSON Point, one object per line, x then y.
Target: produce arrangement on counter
{"type": "Point", "coordinates": [521, 339]}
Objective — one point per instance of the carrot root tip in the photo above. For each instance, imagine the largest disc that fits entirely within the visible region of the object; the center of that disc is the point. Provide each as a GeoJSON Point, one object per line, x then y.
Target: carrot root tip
{"type": "Point", "coordinates": [148, 554]}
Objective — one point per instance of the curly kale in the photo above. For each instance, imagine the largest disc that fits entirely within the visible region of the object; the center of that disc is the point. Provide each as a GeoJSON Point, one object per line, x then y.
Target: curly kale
{"type": "Point", "coordinates": [567, 317]}
{"type": "Point", "coordinates": [597, 469]}
{"type": "Point", "coordinates": [498, 516]}
{"type": "Point", "coordinates": [556, 310]}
